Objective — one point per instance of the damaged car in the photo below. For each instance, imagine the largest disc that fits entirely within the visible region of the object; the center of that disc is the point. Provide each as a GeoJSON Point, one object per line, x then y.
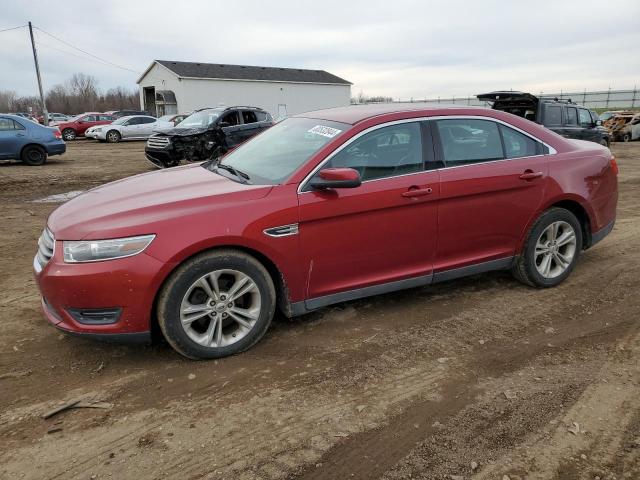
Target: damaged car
{"type": "Point", "coordinates": [206, 134]}
{"type": "Point", "coordinates": [624, 126]}
{"type": "Point", "coordinates": [561, 116]}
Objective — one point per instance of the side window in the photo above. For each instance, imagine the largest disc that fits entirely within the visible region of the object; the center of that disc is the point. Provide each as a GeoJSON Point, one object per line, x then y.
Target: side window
{"type": "Point", "coordinates": [585, 118]}
{"type": "Point", "coordinates": [147, 120]}
{"type": "Point", "coordinates": [594, 117]}
{"type": "Point", "coordinates": [249, 117]}
{"type": "Point", "coordinates": [380, 154]}
{"type": "Point", "coordinates": [105, 118]}
{"type": "Point", "coordinates": [467, 141]}
{"type": "Point", "coordinates": [553, 115]}
{"type": "Point", "coordinates": [134, 121]}
{"type": "Point", "coordinates": [231, 118]}
{"type": "Point", "coordinates": [89, 118]}
{"type": "Point", "coordinates": [262, 116]}
{"type": "Point", "coordinates": [7, 124]}
{"type": "Point", "coordinates": [518, 144]}
{"type": "Point", "coordinates": [572, 116]}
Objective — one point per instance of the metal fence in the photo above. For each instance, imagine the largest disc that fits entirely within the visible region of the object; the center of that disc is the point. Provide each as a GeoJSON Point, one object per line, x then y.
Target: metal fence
{"type": "Point", "coordinates": [607, 99]}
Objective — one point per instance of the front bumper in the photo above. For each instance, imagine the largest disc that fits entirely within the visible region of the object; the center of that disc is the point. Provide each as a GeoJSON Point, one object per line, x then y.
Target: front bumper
{"type": "Point", "coordinates": [128, 284]}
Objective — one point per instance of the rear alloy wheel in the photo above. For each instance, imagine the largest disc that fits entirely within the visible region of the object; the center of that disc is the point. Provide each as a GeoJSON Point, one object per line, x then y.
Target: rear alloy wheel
{"type": "Point", "coordinates": [216, 304]}
{"type": "Point", "coordinates": [113, 136]}
{"type": "Point", "coordinates": [33, 155]}
{"type": "Point", "coordinates": [551, 250]}
{"type": "Point", "coordinates": [69, 134]}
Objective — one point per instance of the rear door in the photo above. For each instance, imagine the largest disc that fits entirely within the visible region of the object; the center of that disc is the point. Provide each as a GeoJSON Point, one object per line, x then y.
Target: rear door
{"type": "Point", "coordinates": [491, 184]}
{"type": "Point", "coordinates": [147, 125]}
{"type": "Point", "coordinates": [13, 136]}
{"type": "Point", "coordinates": [250, 124]}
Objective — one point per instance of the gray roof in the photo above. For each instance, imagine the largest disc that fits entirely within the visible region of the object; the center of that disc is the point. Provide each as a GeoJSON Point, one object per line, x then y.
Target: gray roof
{"type": "Point", "coordinates": [245, 72]}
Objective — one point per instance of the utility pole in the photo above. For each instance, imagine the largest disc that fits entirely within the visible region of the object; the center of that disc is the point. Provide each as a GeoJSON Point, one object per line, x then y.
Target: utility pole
{"type": "Point", "coordinates": [45, 114]}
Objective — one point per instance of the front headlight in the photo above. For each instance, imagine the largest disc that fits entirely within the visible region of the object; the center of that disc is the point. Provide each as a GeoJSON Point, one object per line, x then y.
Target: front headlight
{"type": "Point", "coordinates": [96, 130]}
{"type": "Point", "coordinates": [96, 250]}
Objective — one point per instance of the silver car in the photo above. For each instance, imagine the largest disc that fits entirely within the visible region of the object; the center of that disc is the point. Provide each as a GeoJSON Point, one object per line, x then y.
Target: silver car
{"type": "Point", "coordinates": [132, 127]}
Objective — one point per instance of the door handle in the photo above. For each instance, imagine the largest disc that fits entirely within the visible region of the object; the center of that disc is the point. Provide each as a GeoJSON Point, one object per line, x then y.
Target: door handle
{"type": "Point", "coordinates": [19, 134]}
{"type": "Point", "coordinates": [417, 192]}
{"type": "Point", "coordinates": [530, 175]}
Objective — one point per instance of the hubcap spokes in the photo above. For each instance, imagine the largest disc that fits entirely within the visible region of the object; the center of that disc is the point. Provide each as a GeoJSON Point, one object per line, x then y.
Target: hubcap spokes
{"type": "Point", "coordinates": [220, 308]}
{"type": "Point", "coordinates": [555, 249]}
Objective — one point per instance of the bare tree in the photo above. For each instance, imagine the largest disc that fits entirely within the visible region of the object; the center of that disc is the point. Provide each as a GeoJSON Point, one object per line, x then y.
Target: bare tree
{"type": "Point", "coordinates": [7, 99]}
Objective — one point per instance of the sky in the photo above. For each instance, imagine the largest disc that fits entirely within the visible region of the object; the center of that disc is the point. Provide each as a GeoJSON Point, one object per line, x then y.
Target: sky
{"type": "Point", "coordinates": [401, 48]}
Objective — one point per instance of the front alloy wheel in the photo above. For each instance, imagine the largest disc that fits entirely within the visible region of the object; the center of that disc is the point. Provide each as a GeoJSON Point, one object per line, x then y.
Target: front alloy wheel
{"type": "Point", "coordinates": [216, 304]}
{"type": "Point", "coordinates": [220, 308]}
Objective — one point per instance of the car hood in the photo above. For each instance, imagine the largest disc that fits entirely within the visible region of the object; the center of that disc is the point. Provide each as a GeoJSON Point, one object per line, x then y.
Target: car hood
{"type": "Point", "coordinates": [135, 205]}
{"type": "Point", "coordinates": [184, 132]}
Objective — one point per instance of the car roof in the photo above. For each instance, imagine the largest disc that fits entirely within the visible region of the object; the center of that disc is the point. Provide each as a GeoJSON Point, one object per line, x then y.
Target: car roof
{"type": "Point", "coordinates": [357, 113]}
{"type": "Point", "coordinates": [135, 116]}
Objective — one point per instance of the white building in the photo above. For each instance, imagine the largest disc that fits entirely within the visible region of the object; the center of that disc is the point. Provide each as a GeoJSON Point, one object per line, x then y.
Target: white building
{"type": "Point", "coordinates": [178, 87]}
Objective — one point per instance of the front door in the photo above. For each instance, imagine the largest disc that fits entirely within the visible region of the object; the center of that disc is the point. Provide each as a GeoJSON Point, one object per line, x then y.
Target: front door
{"type": "Point", "coordinates": [232, 128]}
{"type": "Point", "coordinates": [381, 234]}
{"type": "Point", "coordinates": [491, 184]}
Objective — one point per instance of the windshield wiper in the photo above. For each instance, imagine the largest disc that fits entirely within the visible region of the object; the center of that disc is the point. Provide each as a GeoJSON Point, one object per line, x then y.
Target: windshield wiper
{"type": "Point", "coordinates": [236, 173]}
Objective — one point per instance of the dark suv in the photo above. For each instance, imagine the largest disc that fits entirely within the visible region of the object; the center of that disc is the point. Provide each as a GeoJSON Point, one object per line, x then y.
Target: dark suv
{"type": "Point", "coordinates": [562, 116]}
{"type": "Point", "coordinates": [206, 134]}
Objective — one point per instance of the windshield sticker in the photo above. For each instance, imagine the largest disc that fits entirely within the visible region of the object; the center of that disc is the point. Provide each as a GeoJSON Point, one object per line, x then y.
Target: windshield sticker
{"type": "Point", "coordinates": [325, 131]}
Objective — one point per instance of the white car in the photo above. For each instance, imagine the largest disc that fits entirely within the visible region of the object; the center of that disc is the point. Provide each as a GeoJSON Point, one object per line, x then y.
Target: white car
{"type": "Point", "coordinates": [132, 127]}
{"type": "Point", "coordinates": [91, 132]}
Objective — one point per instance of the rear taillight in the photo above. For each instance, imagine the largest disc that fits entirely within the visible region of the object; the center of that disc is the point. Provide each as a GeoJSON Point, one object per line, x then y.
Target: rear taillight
{"type": "Point", "coordinates": [614, 165]}
{"type": "Point", "coordinates": [57, 134]}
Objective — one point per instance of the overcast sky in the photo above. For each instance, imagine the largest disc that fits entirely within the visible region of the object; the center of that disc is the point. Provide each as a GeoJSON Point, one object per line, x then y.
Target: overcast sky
{"type": "Point", "coordinates": [396, 48]}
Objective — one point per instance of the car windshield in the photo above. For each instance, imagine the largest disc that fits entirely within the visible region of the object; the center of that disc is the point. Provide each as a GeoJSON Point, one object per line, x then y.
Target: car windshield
{"type": "Point", "coordinates": [121, 121]}
{"type": "Point", "coordinates": [203, 118]}
{"type": "Point", "coordinates": [272, 156]}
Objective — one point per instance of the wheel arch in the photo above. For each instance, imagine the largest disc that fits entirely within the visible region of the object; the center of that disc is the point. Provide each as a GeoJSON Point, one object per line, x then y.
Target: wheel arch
{"type": "Point", "coordinates": [575, 205]}
{"type": "Point", "coordinates": [33, 144]}
{"type": "Point", "coordinates": [283, 300]}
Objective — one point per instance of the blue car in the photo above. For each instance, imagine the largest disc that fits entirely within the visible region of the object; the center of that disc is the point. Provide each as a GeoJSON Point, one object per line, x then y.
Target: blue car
{"type": "Point", "coordinates": [22, 139]}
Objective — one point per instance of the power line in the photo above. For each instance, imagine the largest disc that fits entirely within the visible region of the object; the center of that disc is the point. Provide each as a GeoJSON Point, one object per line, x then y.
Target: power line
{"type": "Point", "coordinates": [12, 28]}
{"type": "Point", "coordinates": [46, 45]}
{"type": "Point", "coordinates": [87, 53]}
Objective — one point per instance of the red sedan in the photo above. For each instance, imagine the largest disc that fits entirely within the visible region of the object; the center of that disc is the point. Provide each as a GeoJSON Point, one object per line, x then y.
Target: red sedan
{"type": "Point", "coordinates": [75, 127]}
{"type": "Point", "coordinates": [324, 207]}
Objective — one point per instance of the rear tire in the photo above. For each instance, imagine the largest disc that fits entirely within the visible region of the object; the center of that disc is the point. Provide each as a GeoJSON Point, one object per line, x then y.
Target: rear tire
{"type": "Point", "coordinates": [33, 155]}
{"type": "Point", "coordinates": [626, 137]}
{"type": "Point", "coordinates": [551, 250]}
{"type": "Point", "coordinates": [113, 136]}
{"type": "Point", "coordinates": [69, 134]}
{"type": "Point", "coordinates": [216, 304]}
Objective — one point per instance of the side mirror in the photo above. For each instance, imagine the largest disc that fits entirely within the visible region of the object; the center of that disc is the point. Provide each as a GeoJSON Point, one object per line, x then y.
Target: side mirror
{"type": "Point", "coordinates": [599, 123]}
{"type": "Point", "coordinates": [336, 178]}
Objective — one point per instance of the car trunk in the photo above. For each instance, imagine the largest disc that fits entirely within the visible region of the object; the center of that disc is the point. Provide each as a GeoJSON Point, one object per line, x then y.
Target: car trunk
{"type": "Point", "coordinates": [521, 104]}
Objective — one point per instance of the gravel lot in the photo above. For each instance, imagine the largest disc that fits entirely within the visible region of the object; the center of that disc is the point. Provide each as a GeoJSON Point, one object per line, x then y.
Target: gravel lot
{"type": "Point", "coordinates": [476, 378]}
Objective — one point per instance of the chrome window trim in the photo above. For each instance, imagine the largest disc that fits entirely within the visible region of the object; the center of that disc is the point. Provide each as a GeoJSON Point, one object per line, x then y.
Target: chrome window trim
{"type": "Point", "coordinates": [552, 151]}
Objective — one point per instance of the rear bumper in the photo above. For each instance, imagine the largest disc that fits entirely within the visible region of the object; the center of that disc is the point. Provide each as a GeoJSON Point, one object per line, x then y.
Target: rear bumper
{"type": "Point", "coordinates": [56, 148]}
{"type": "Point", "coordinates": [598, 236]}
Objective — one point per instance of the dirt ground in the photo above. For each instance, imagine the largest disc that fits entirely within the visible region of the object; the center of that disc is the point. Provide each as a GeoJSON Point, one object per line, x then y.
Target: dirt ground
{"type": "Point", "coordinates": [477, 378]}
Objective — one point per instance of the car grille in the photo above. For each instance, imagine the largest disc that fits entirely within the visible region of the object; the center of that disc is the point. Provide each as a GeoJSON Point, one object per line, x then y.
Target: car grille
{"type": "Point", "coordinates": [157, 142]}
{"type": "Point", "coordinates": [46, 244]}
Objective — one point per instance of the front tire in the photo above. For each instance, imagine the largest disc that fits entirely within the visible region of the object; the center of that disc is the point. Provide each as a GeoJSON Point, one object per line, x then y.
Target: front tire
{"type": "Point", "coordinates": [216, 304]}
{"type": "Point", "coordinates": [68, 134]}
{"type": "Point", "coordinates": [113, 136]}
{"type": "Point", "coordinates": [551, 251]}
{"type": "Point", "coordinates": [626, 137]}
{"type": "Point", "coordinates": [33, 155]}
